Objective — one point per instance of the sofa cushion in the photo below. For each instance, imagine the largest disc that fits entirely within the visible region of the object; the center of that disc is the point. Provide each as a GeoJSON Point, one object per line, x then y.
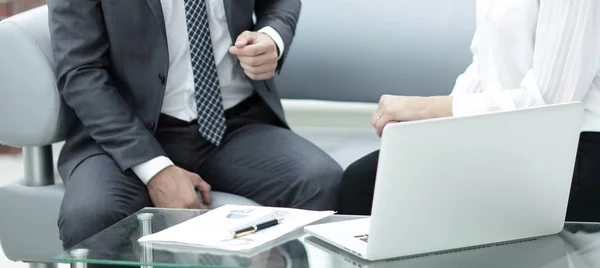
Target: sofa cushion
{"type": "Point", "coordinates": [345, 145]}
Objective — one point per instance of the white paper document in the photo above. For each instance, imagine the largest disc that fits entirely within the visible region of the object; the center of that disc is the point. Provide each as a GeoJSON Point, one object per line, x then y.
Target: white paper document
{"type": "Point", "coordinates": [214, 229]}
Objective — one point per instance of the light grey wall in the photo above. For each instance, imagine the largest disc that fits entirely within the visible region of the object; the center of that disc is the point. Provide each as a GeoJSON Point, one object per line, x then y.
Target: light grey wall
{"type": "Point", "coordinates": [356, 50]}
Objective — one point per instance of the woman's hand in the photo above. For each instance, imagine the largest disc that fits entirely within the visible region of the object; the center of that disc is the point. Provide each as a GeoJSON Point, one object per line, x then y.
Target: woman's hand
{"type": "Point", "coordinates": [402, 108]}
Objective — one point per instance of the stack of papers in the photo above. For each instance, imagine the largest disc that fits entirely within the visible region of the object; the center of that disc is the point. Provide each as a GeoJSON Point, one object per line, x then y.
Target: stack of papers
{"type": "Point", "coordinates": [214, 229]}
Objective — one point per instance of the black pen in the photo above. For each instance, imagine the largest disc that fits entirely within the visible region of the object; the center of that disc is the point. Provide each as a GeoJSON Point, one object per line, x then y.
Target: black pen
{"type": "Point", "coordinates": [256, 227]}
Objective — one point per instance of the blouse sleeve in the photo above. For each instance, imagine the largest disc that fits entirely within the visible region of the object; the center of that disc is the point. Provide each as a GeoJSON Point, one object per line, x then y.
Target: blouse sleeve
{"type": "Point", "coordinates": [565, 61]}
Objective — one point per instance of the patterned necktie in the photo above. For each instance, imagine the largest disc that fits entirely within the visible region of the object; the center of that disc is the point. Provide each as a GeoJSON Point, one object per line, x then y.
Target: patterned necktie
{"type": "Point", "coordinates": [211, 116]}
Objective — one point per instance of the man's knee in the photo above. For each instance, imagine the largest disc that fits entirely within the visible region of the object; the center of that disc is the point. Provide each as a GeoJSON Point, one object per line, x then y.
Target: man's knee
{"type": "Point", "coordinates": [78, 222]}
{"type": "Point", "coordinates": [317, 187]}
{"type": "Point", "coordinates": [97, 195]}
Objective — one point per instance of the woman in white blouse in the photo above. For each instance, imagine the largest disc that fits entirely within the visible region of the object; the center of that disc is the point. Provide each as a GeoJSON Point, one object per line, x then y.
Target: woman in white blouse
{"type": "Point", "coordinates": [525, 53]}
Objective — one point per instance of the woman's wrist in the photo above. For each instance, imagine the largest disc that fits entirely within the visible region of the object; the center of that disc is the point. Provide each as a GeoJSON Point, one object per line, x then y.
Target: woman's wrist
{"type": "Point", "coordinates": [438, 106]}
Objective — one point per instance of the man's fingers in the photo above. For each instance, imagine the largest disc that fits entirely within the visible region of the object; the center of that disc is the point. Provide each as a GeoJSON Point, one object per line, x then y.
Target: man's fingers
{"type": "Point", "coordinates": [193, 203]}
{"type": "Point", "coordinates": [198, 205]}
{"type": "Point", "coordinates": [269, 67]}
{"type": "Point", "coordinates": [246, 38]}
{"type": "Point", "coordinates": [260, 76]}
{"type": "Point", "coordinates": [253, 49]}
{"type": "Point", "coordinates": [259, 67]}
{"type": "Point", "coordinates": [259, 60]}
{"type": "Point", "coordinates": [203, 187]}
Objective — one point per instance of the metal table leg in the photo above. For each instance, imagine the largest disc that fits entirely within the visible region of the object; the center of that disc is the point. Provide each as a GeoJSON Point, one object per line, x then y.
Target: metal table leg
{"type": "Point", "coordinates": [79, 254]}
{"type": "Point", "coordinates": [43, 265]}
{"type": "Point", "coordinates": [145, 220]}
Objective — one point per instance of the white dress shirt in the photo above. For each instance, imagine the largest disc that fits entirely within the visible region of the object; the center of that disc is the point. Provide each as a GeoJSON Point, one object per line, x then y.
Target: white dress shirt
{"type": "Point", "coordinates": [533, 52]}
{"type": "Point", "coordinates": [179, 100]}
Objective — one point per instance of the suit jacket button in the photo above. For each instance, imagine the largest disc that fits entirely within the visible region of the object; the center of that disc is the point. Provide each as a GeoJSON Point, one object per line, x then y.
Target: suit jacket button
{"type": "Point", "coordinates": [151, 124]}
{"type": "Point", "coordinates": [162, 78]}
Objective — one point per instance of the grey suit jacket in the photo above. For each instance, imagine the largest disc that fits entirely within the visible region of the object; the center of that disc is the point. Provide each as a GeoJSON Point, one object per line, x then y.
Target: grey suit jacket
{"type": "Point", "coordinates": [112, 64]}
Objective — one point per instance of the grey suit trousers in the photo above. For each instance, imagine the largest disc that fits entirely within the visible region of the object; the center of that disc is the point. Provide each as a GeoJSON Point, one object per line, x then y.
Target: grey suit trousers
{"type": "Point", "coordinates": [258, 159]}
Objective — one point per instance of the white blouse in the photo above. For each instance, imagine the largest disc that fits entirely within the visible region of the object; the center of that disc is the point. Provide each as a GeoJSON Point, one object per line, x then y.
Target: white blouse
{"type": "Point", "coordinates": [533, 52]}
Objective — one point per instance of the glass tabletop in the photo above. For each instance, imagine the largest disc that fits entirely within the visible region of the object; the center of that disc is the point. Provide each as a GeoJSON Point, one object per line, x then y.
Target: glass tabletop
{"type": "Point", "coordinates": [578, 245]}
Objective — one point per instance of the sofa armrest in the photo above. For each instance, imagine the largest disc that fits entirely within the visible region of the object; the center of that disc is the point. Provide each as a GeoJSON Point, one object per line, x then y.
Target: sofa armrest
{"type": "Point", "coordinates": [335, 114]}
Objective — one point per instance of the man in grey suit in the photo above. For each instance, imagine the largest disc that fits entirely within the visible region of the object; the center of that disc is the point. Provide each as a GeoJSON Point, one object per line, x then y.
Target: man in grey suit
{"type": "Point", "coordinates": [174, 97]}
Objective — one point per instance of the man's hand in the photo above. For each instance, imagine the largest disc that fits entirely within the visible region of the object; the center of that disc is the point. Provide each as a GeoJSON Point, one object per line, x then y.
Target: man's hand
{"type": "Point", "coordinates": [175, 187]}
{"type": "Point", "coordinates": [257, 53]}
{"type": "Point", "coordinates": [401, 108]}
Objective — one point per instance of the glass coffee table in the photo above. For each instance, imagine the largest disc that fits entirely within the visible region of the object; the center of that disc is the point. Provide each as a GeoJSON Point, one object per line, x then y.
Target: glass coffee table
{"type": "Point", "coordinates": [578, 245]}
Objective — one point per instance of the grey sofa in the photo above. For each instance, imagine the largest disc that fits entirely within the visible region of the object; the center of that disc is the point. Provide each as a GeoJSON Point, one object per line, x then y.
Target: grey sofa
{"type": "Point", "coordinates": [345, 55]}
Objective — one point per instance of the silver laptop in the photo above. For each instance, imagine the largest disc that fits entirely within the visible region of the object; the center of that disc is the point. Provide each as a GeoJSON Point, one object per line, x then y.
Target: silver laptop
{"type": "Point", "coordinates": [547, 252]}
{"type": "Point", "coordinates": [460, 182]}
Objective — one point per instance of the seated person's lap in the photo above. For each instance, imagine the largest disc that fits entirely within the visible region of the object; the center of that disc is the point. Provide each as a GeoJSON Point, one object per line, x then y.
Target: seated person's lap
{"type": "Point", "coordinates": [259, 160]}
{"type": "Point", "coordinates": [274, 167]}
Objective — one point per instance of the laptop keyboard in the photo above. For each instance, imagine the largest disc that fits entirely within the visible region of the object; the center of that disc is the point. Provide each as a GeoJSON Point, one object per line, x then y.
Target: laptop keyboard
{"type": "Point", "coordinates": [364, 238]}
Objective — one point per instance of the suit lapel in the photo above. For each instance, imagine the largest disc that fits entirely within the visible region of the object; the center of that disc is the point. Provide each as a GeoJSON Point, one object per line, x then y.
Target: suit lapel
{"type": "Point", "coordinates": [156, 8]}
{"type": "Point", "coordinates": [228, 4]}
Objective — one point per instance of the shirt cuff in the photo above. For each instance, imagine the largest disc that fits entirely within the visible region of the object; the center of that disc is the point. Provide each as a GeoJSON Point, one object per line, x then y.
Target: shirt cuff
{"type": "Point", "coordinates": [276, 38]}
{"type": "Point", "coordinates": [147, 170]}
{"type": "Point", "coordinates": [469, 104]}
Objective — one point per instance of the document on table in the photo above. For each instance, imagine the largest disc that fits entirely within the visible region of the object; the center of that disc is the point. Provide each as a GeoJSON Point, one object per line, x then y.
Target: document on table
{"type": "Point", "coordinates": [214, 228]}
